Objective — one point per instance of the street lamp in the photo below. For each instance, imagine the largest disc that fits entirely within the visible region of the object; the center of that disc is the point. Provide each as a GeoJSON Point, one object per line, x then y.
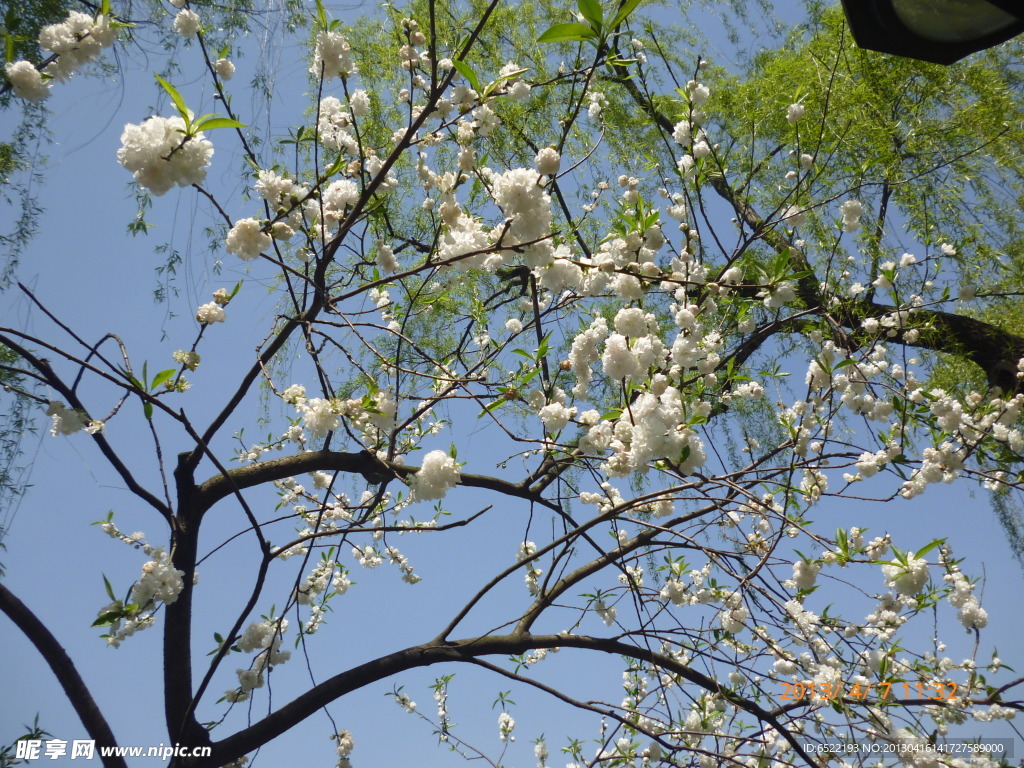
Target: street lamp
{"type": "Point", "coordinates": [940, 31]}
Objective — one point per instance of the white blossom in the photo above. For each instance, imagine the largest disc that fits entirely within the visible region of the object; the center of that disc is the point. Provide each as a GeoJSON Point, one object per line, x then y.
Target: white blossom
{"type": "Point", "coordinates": [332, 56]}
{"type": "Point", "coordinates": [225, 69]}
{"type": "Point", "coordinates": [187, 23]}
{"type": "Point", "coordinates": [436, 476]}
{"type": "Point", "coordinates": [211, 313]}
{"type": "Point", "coordinates": [27, 81]}
{"type": "Point", "coordinates": [247, 240]}
{"type": "Point", "coordinates": [159, 154]}
{"type": "Point", "coordinates": [547, 161]}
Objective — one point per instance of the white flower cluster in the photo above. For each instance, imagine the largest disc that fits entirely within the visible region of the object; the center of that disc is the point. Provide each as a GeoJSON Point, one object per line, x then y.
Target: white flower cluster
{"type": "Point", "coordinates": [211, 313]}
{"type": "Point", "coordinates": [526, 553]}
{"type": "Point", "coordinates": [345, 746]}
{"type": "Point", "coordinates": [506, 724]}
{"type": "Point", "coordinates": [403, 700]}
{"type": "Point", "coordinates": [547, 161]}
{"type": "Point", "coordinates": [225, 69]}
{"type": "Point", "coordinates": [656, 423]}
{"type": "Point", "coordinates": [160, 581]}
{"type": "Point", "coordinates": [962, 597]}
{"type": "Point", "coordinates": [65, 421]}
{"type": "Point", "coordinates": [265, 637]}
{"type": "Point", "coordinates": [437, 475]}
{"type": "Point", "coordinates": [906, 579]}
{"type": "Point", "coordinates": [322, 415]}
{"type": "Point", "coordinates": [540, 751]}
{"type": "Point", "coordinates": [27, 81]}
{"type": "Point", "coordinates": [605, 612]}
{"type": "Point", "coordinates": [160, 154]}
{"type": "Point", "coordinates": [333, 126]}
{"type": "Point", "coordinates": [734, 614]}
{"type": "Point", "coordinates": [386, 257]}
{"type": "Point", "coordinates": [247, 240]}
{"type": "Point", "coordinates": [851, 212]}
{"type": "Point", "coordinates": [527, 206]}
{"type": "Point", "coordinates": [804, 574]}
{"type": "Point", "coordinates": [680, 592]}
{"type": "Point", "coordinates": [187, 23]}
{"type": "Point", "coordinates": [332, 57]}
{"type": "Point", "coordinates": [324, 574]}
{"type": "Point", "coordinates": [74, 42]}
{"type": "Point", "coordinates": [397, 558]}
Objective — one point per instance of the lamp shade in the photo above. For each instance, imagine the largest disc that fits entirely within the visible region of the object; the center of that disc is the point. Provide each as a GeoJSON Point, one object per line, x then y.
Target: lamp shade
{"type": "Point", "coordinates": [940, 31]}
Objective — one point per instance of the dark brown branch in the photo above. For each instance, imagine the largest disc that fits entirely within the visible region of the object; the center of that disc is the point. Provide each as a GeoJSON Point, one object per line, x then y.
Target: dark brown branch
{"type": "Point", "coordinates": [363, 463]}
{"type": "Point", "coordinates": [64, 670]}
{"type": "Point", "coordinates": [994, 350]}
{"type": "Point", "coordinates": [467, 650]}
{"type": "Point", "coordinates": [991, 348]}
{"type": "Point", "coordinates": [51, 377]}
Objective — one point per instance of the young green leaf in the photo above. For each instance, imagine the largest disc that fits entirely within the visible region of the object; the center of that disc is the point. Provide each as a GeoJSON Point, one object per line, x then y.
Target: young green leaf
{"type": "Point", "coordinates": [623, 13]}
{"type": "Point", "coordinates": [161, 377]}
{"type": "Point", "coordinates": [179, 102]}
{"type": "Point", "coordinates": [591, 11]}
{"type": "Point", "coordinates": [110, 589]}
{"type": "Point", "coordinates": [212, 122]}
{"type": "Point", "coordinates": [467, 72]}
{"type": "Point", "coordinates": [929, 547]}
{"type": "Point", "coordinates": [558, 33]}
{"type": "Point", "coordinates": [108, 618]}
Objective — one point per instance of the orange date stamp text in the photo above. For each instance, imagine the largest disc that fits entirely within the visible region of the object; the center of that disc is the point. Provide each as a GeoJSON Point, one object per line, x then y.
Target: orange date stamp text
{"type": "Point", "coordinates": [871, 690]}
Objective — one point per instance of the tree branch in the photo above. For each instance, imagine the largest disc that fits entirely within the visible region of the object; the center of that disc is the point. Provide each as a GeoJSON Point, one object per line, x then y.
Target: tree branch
{"type": "Point", "coordinates": [467, 650]}
{"type": "Point", "coordinates": [363, 463]}
{"type": "Point", "coordinates": [64, 670]}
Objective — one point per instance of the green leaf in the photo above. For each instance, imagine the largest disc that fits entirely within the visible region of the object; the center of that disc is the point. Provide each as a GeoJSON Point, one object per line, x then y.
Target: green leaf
{"type": "Point", "coordinates": [109, 588]}
{"type": "Point", "coordinates": [321, 15]}
{"type": "Point", "coordinates": [925, 550]}
{"type": "Point", "coordinates": [179, 102]}
{"type": "Point", "coordinates": [106, 619]}
{"type": "Point", "coordinates": [161, 377]}
{"type": "Point", "coordinates": [147, 408]}
{"type": "Point", "coordinates": [591, 11]}
{"type": "Point", "coordinates": [492, 406]}
{"type": "Point", "coordinates": [627, 8]}
{"type": "Point", "coordinates": [336, 166]}
{"type": "Point", "coordinates": [489, 89]}
{"type": "Point", "coordinates": [212, 123]}
{"type": "Point", "coordinates": [557, 33]}
{"type": "Point", "coordinates": [467, 72]}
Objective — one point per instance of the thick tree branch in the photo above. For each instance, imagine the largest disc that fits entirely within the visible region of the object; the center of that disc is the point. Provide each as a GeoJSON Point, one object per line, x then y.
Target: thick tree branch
{"type": "Point", "coordinates": [466, 650]}
{"type": "Point", "coordinates": [363, 463]}
{"type": "Point", "coordinates": [994, 350]}
{"type": "Point", "coordinates": [64, 670]}
{"type": "Point", "coordinates": [991, 348]}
